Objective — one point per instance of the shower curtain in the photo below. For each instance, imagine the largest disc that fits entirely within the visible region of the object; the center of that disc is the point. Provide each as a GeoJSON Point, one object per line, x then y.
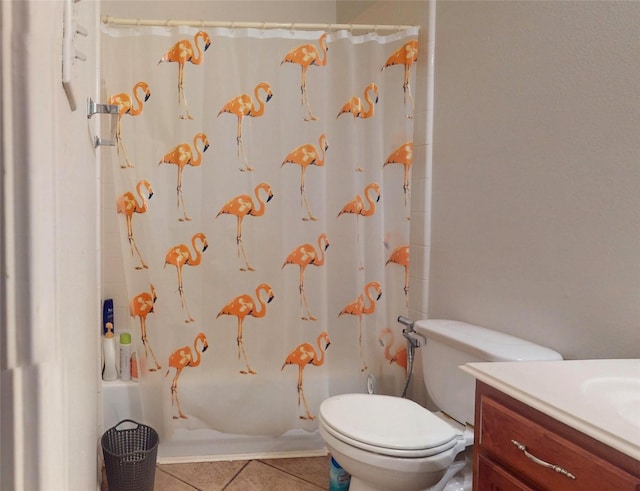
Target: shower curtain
{"type": "Point", "coordinates": [262, 188]}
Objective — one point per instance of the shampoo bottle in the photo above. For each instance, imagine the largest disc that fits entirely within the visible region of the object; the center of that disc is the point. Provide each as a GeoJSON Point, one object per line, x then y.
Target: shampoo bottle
{"type": "Point", "coordinates": [107, 315]}
{"type": "Point", "coordinates": [109, 370]}
{"type": "Point", "coordinates": [125, 356]}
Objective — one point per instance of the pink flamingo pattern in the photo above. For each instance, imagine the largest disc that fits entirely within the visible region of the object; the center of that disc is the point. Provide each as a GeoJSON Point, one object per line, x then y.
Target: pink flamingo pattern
{"type": "Point", "coordinates": [140, 306]}
{"type": "Point", "coordinates": [242, 106]}
{"type": "Point", "coordinates": [241, 206]}
{"type": "Point", "coordinates": [406, 56]}
{"type": "Point", "coordinates": [191, 149]}
{"type": "Point", "coordinates": [400, 256]}
{"type": "Point", "coordinates": [304, 156]}
{"type": "Point", "coordinates": [357, 207]}
{"type": "Point", "coordinates": [241, 307]}
{"type": "Point", "coordinates": [358, 309]}
{"type": "Point", "coordinates": [356, 107]}
{"type": "Point", "coordinates": [303, 355]}
{"type": "Point", "coordinates": [181, 156]}
{"type": "Point", "coordinates": [403, 155]}
{"type": "Point", "coordinates": [400, 356]}
{"type": "Point", "coordinates": [303, 256]}
{"type": "Point", "coordinates": [180, 256]}
{"type": "Point", "coordinates": [305, 56]}
{"type": "Point", "coordinates": [127, 204]}
{"type": "Point", "coordinates": [181, 358]}
{"type": "Point", "coordinates": [181, 53]}
{"type": "Point", "coordinates": [125, 106]}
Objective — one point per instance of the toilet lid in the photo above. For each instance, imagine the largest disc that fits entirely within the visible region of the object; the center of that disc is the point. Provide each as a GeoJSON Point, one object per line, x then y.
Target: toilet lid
{"type": "Point", "coordinates": [390, 425]}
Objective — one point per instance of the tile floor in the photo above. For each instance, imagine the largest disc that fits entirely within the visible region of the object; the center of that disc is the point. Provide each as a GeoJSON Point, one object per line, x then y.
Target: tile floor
{"type": "Point", "coordinates": [292, 474]}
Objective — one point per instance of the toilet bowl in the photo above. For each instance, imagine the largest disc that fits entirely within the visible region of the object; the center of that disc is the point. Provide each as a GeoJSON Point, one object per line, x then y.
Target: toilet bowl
{"type": "Point", "coordinates": [388, 443]}
{"type": "Point", "coordinates": [384, 452]}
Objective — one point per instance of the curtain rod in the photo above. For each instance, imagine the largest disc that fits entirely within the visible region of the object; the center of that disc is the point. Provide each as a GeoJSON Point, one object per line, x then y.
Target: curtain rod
{"type": "Point", "coordinates": [107, 19]}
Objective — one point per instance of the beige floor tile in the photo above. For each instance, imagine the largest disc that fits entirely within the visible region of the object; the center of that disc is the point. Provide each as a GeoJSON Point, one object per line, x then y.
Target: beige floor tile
{"type": "Point", "coordinates": [257, 476]}
{"type": "Point", "coordinates": [166, 482]}
{"type": "Point", "coordinates": [312, 469]}
{"type": "Point", "coordinates": [206, 476]}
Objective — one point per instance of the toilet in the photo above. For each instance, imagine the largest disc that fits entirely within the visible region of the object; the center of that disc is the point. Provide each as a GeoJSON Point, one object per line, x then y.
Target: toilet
{"type": "Point", "coordinates": [389, 443]}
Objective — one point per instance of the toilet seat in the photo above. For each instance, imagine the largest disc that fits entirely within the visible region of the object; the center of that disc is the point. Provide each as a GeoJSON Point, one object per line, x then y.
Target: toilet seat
{"type": "Point", "coordinates": [386, 425]}
{"type": "Point", "coordinates": [390, 452]}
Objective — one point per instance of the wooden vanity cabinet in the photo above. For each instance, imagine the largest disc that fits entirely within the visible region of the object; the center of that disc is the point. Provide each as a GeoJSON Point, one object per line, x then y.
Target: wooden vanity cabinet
{"type": "Point", "coordinates": [518, 448]}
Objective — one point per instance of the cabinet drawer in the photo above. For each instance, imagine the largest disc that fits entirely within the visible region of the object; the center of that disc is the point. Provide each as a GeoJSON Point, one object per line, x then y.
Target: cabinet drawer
{"type": "Point", "coordinates": [500, 427]}
{"type": "Point", "coordinates": [492, 477]}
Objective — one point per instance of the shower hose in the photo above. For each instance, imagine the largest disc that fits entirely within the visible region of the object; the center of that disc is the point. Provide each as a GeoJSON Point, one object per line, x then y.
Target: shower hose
{"type": "Point", "coordinates": [411, 347]}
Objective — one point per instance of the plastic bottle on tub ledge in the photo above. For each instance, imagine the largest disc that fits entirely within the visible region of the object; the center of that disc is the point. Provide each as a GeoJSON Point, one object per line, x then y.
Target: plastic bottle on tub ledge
{"type": "Point", "coordinates": [107, 315]}
{"type": "Point", "coordinates": [125, 356]}
{"type": "Point", "coordinates": [339, 479]}
{"type": "Point", "coordinates": [109, 369]}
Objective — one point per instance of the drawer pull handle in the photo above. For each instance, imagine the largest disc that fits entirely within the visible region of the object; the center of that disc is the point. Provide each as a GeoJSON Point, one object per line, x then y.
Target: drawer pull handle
{"type": "Point", "coordinates": [538, 461]}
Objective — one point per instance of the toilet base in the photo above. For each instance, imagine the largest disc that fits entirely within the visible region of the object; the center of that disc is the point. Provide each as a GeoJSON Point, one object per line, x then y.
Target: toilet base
{"type": "Point", "coordinates": [458, 477]}
{"type": "Point", "coordinates": [461, 481]}
{"type": "Point", "coordinates": [358, 485]}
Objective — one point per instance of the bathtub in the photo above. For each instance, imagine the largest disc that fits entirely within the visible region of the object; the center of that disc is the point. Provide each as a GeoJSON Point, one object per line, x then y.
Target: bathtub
{"type": "Point", "coordinates": [122, 400]}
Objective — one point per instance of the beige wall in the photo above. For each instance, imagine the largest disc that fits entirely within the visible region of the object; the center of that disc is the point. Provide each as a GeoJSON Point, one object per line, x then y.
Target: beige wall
{"type": "Point", "coordinates": [536, 172]}
{"type": "Point", "coordinates": [321, 11]}
{"type": "Point", "coordinates": [535, 216]}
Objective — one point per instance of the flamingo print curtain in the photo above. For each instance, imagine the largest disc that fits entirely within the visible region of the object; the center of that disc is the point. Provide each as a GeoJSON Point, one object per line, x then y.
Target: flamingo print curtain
{"type": "Point", "coordinates": [262, 191]}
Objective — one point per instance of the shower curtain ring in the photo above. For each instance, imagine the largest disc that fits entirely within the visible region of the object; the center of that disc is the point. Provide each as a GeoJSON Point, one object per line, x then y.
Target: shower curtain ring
{"type": "Point", "coordinates": [166, 25]}
{"type": "Point", "coordinates": [138, 22]}
{"type": "Point", "coordinates": [201, 24]}
{"type": "Point", "coordinates": [292, 29]}
{"type": "Point", "coordinates": [264, 25]}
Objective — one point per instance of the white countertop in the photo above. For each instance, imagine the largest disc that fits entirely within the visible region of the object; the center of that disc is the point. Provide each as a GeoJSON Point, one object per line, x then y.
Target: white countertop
{"type": "Point", "coordinates": [598, 397]}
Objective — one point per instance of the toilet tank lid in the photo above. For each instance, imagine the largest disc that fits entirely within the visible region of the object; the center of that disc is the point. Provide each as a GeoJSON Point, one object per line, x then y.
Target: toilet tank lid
{"type": "Point", "coordinates": [486, 344]}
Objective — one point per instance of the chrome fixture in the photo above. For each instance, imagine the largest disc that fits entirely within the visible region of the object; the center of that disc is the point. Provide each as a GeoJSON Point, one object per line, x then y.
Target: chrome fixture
{"type": "Point", "coordinates": [414, 340]}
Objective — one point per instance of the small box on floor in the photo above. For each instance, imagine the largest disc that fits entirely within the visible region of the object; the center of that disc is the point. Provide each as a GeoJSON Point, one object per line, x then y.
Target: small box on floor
{"type": "Point", "coordinates": [339, 479]}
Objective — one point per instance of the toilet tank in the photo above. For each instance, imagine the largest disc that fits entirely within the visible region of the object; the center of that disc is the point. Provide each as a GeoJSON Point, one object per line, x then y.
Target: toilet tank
{"type": "Point", "coordinates": [453, 343]}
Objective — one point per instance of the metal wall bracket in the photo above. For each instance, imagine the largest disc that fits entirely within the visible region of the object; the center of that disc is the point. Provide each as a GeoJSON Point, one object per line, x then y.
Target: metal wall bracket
{"type": "Point", "coordinates": [69, 51]}
{"type": "Point", "coordinates": [111, 109]}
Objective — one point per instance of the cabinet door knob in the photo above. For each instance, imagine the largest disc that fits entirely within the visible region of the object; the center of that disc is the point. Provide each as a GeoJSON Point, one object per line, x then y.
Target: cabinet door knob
{"type": "Point", "coordinates": [541, 462]}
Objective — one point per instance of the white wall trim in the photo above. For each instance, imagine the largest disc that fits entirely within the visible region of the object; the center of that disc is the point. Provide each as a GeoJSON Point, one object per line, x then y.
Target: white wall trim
{"type": "Point", "coordinates": [31, 375]}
